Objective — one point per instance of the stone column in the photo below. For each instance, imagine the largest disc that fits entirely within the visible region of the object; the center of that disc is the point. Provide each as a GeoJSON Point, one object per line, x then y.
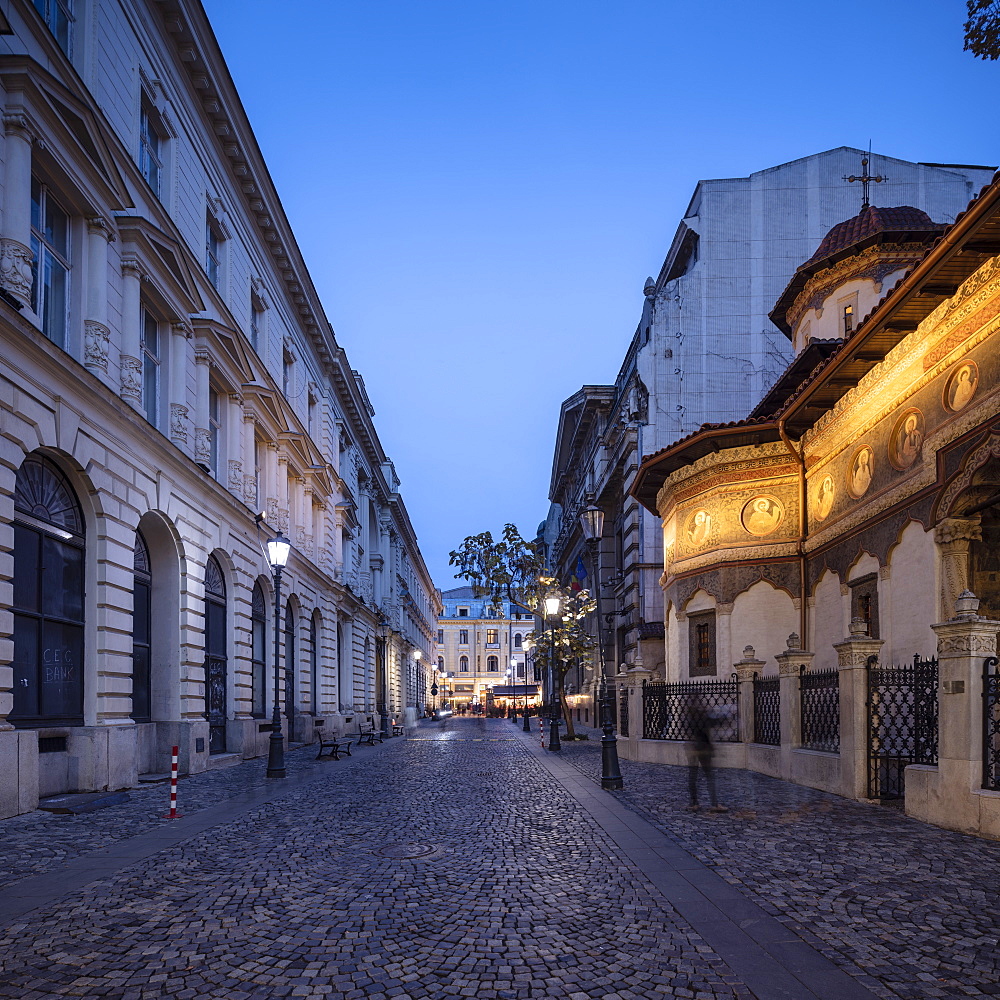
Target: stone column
{"type": "Point", "coordinates": [745, 669]}
{"type": "Point", "coordinates": [790, 664]}
{"type": "Point", "coordinates": [178, 384]}
{"type": "Point", "coordinates": [130, 362]}
{"type": "Point", "coordinates": [234, 450]}
{"type": "Point", "coordinates": [282, 490]}
{"type": "Point", "coordinates": [963, 642]}
{"type": "Point", "coordinates": [632, 681]}
{"type": "Point", "coordinates": [269, 483]}
{"type": "Point", "coordinates": [253, 484]}
{"type": "Point", "coordinates": [202, 432]}
{"type": "Point", "coordinates": [852, 660]}
{"type": "Point", "coordinates": [308, 518]}
{"type": "Point", "coordinates": [96, 333]}
{"type": "Point", "coordinates": [954, 535]}
{"type": "Point", "coordinates": [15, 244]}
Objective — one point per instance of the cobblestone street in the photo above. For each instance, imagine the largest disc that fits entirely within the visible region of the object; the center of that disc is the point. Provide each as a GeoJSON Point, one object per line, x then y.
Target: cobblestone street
{"type": "Point", "coordinates": [465, 861]}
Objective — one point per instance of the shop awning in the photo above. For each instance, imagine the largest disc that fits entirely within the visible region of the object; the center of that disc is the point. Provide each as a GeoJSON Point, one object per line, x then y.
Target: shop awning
{"type": "Point", "coordinates": [516, 691]}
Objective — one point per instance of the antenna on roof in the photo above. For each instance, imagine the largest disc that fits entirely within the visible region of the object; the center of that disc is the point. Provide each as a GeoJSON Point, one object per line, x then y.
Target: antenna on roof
{"type": "Point", "coordinates": [865, 177]}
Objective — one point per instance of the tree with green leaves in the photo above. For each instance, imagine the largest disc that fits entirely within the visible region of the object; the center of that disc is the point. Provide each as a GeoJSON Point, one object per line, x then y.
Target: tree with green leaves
{"type": "Point", "coordinates": [504, 569]}
{"type": "Point", "coordinates": [982, 30]}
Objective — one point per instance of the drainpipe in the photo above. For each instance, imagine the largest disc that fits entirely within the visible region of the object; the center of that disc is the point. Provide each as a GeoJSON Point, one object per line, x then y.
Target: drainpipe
{"type": "Point", "coordinates": [803, 530]}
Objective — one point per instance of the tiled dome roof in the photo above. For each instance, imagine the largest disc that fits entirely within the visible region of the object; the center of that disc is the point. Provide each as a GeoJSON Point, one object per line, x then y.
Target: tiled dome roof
{"type": "Point", "coordinates": [867, 223]}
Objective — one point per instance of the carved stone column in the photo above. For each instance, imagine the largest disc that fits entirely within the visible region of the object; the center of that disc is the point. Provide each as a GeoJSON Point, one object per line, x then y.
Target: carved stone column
{"type": "Point", "coordinates": [955, 535]}
{"type": "Point", "coordinates": [632, 680]}
{"type": "Point", "coordinates": [723, 632]}
{"type": "Point", "coordinates": [234, 421]}
{"type": "Point", "coordinates": [203, 382]}
{"type": "Point", "coordinates": [15, 243]}
{"type": "Point", "coordinates": [963, 642]}
{"type": "Point", "coordinates": [96, 332]}
{"type": "Point", "coordinates": [790, 664]}
{"type": "Point", "coordinates": [253, 485]}
{"type": "Point", "coordinates": [283, 492]}
{"type": "Point", "coordinates": [745, 669]}
{"type": "Point", "coordinates": [181, 333]}
{"type": "Point", "coordinates": [852, 661]}
{"type": "Point", "coordinates": [131, 364]}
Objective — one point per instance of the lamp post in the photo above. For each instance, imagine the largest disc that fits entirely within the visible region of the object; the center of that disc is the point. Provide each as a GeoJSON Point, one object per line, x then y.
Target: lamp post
{"type": "Point", "coordinates": [277, 556]}
{"type": "Point", "coordinates": [551, 610]}
{"type": "Point", "coordinates": [592, 523]}
{"type": "Point", "coordinates": [417, 654]}
{"type": "Point", "coordinates": [526, 727]}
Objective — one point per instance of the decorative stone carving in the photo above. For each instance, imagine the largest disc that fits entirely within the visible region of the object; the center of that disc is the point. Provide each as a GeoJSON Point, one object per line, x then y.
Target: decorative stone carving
{"type": "Point", "coordinates": [178, 423]}
{"type": "Point", "coordinates": [283, 518]}
{"type": "Point", "coordinates": [249, 489]}
{"type": "Point", "coordinates": [271, 506]}
{"type": "Point", "coordinates": [131, 379]}
{"type": "Point", "coordinates": [17, 124]}
{"type": "Point", "coordinates": [96, 339]}
{"type": "Point", "coordinates": [202, 445]}
{"type": "Point", "coordinates": [955, 535]}
{"type": "Point", "coordinates": [236, 476]}
{"type": "Point", "coordinates": [97, 224]}
{"type": "Point", "coordinates": [970, 644]}
{"type": "Point", "coordinates": [15, 269]}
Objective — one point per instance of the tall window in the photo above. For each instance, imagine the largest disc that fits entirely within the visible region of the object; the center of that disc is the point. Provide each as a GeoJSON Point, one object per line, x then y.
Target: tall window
{"type": "Point", "coordinates": [258, 668]}
{"type": "Point", "coordinates": [463, 665]}
{"type": "Point", "coordinates": [142, 640]}
{"type": "Point", "coordinates": [214, 429]}
{"type": "Point", "coordinates": [216, 655]}
{"type": "Point", "coordinates": [290, 655]}
{"type": "Point", "coordinates": [701, 651]}
{"type": "Point", "coordinates": [213, 251]}
{"type": "Point", "coordinates": [440, 664]}
{"type": "Point", "coordinates": [50, 245]}
{"type": "Point", "coordinates": [517, 640]}
{"type": "Point", "coordinates": [287, 373]}
{"type": "Point", "coordinates": [150, 146]}
{"type": "Point", "coordinates": [48, 606]}
{"type": "Point", "coordinates": [150, 350]}
{"type": "Point", "coordinates": [864, 602]}
{"type": "Point", "coordinates": [463, 637]}
{"type": "Point", "coordinates": [492, 637]}
{"type": "Point", "coordinates": [848, 319]}
{"type": "Point", "coordinates": [440, 636]}
{"type": "Point", "coordinates": [58, 15]}
{"type": "Point", "coordinates": [492, 665]}
{"type": "Point", "coordinates": [256, 322]}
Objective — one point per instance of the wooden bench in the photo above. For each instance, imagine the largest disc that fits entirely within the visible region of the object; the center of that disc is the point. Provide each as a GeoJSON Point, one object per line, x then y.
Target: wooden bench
{"type": "Point", "coordinates": [333, 746]}
{"type": "Point", "coordinates": [397, 729]}
{"type": "Point", "coordinates": [369, 735]}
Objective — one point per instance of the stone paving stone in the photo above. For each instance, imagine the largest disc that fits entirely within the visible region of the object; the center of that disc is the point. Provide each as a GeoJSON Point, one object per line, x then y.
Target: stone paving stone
{"type": "Point", "coordinates": [524, 896]}
{"type": "Point", "coordinates": [914, 908]}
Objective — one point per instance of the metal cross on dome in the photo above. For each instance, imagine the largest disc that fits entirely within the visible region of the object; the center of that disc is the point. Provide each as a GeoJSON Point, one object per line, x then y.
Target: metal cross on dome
{"type": "Point", "coordinates": [865, 178]}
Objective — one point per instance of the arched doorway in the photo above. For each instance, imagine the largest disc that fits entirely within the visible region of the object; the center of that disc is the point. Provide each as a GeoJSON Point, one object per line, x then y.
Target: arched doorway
{"type": "Point", "coordinates": [216, 660]}
{"type": "Point", "coordinates": [290, 653]}
{"type": "Point", "coordinates": [985, 562]}
{"type": "Point", "coordinates": [48, 598]}
{"type": "Point", "coordinates": [142, 630]}
{"type": "Point", "coordinates": [258, 665]}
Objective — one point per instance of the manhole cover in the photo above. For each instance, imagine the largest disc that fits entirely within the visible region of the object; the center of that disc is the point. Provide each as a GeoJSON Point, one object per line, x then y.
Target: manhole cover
{"type": "Point", "coordinates": [407, 850]}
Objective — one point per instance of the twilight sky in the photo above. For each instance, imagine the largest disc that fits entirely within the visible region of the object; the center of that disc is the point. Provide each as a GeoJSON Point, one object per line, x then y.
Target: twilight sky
{"type": "Point", "coordinates": [480, 189]}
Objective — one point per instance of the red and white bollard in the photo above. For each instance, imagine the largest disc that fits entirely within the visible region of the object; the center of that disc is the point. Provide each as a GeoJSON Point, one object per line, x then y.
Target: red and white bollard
{"type": "Point", "coordinates": [173, 814]}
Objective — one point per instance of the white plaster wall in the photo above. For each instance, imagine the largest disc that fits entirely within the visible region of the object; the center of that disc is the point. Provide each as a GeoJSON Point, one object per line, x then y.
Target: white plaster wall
{"type": "Point", "coordinates": [828, 614]}
{"type": "Point", "coordinates": [763, 617]}
{"type": "Point", "coordinates": [911, 596]}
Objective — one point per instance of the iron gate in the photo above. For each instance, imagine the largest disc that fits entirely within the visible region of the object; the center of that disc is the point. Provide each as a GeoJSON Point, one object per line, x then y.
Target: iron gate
{"type": "Point", "coordinates": [623, 714]}
{"type": "Point", "coordinates": [991, 724]}
{"type": "Point", "coordinates": [902, 722]}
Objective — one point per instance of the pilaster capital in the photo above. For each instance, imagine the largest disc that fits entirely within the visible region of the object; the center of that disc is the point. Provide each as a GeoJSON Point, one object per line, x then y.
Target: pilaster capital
{"type": "Point", "coordinates": [856, 651]}
{"type": "Point", "coordinates": [16, 124]}
{"type": "Point", "coordinates": [202, 356]}
{"type": "Point", "coordinates": [749, 665]}
{"type": "Point", "coordinates": [97, 225]}
{"type": "Point", "coordinates": [958, 529]}
{"type": "Point", "coordinates": [132, 268]}
{"type": "Point", "coordinates": [182, 328]}
{"type": "Point", "coordinates": [793, 660]}
{"type": "Point", "coordinates": [724, 609]}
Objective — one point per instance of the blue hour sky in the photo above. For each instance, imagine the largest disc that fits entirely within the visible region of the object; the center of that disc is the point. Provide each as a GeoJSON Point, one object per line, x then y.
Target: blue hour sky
{"type": "Point", "coordinates": [480, 189]}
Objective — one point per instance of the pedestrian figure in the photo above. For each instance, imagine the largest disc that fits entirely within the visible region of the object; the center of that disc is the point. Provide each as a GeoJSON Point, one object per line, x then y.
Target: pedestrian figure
{"type": "Point", "coordinates": [700, 753]}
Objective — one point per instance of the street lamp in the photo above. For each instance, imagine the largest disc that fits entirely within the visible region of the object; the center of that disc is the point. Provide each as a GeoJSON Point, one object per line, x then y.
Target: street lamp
{"type": "Point", "coordinates": [278, 549]}
{"type": "Point", "coordinates": [592, 523]}
{"type": "Point", "coordinates": [552, 603]}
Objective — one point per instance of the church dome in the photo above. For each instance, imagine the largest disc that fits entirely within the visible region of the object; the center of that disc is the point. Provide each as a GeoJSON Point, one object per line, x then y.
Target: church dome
{"type": "Point", "coordinates": [906, 224]}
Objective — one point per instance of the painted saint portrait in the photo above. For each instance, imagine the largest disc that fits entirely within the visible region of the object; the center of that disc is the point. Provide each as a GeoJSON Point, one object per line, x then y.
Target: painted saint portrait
{"type": "Point", "coordinates": [961, 386]}
{"type": "Point", "coordinates": [907, 437]}
{"type": "Point", "coordinates": [762, 515]}
{"type": "Point", "coordinates": [699, 527]}
{"type": "Point", "coordinates": [859, 478]}
{"type": "Point", "coordinates": [824, 497]}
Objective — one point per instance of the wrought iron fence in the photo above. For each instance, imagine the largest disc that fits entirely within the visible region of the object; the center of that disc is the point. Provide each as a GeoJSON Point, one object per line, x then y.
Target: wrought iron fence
{"type": "Point", "coordinates": [991, 724]}
{"type": "Point", "coordinates": [819, 697]}
{"type": "Point", "coordinates": [902, 723]}
{"type": "Point", "coordinates": [681, 710]}
{"type": "Point", "coordinates": [767, 710]}
{"type": "Point", "coordinates": [623, 714]}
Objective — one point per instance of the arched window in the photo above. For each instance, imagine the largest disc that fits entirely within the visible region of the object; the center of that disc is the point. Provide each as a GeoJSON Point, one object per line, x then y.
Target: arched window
{"type": "Point", "coordinates": [492, 665]}
{"type": "Point", "coordinates": [314, 662]}
{"type": "Point", "coordinates": [216, 658]}
{"type": "Point", "coordinates": [48, 598]}
{"type": "Point", "coordinates": [142, 618]}
{"type": "Point", "coordinates": [517, 640]}
{"type": "Point", "coordinates": [463, 664]}
{"type": "Point", "coordinates": [258, 665]}
{"type": "Point", "coordinates": [290, 654]}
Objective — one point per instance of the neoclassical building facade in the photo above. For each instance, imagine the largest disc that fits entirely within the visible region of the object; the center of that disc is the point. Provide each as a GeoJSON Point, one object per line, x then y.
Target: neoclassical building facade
{"type": "Point", "coordinates": [171, 395]}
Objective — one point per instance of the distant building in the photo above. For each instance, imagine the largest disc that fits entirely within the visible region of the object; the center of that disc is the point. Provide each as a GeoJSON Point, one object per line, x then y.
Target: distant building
{"type": "Point", "coordinates": [707, 350]}
{"type": "Point", "coordinates": [482, 656]}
